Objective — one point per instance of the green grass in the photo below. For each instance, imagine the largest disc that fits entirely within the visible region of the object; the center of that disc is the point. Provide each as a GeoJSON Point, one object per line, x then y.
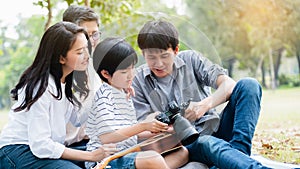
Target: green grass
{"type": "Point", "coordinates": [278, 128]}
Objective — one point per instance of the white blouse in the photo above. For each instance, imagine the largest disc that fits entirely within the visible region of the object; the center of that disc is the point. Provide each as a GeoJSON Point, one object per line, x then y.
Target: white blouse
{"type": "Point", "coordinates": [43, 127]}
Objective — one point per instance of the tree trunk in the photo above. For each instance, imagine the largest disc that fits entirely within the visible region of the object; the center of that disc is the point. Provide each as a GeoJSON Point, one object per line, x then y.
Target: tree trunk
{"type": "Point", "coordinates": [298, 59]}
{"type": "Point", "coordinates": [231, 62]}
{"type": "Point", "coordinates": [261, 68]}
{"type": "Point", "coordinates": [263, 74]}
{"type": "Point", "coordinates": [277, 65]}
{"type": "Point", "coordinates": [86, 2]}
{"type": "Point", "coordinates": [49, 7]}
{"type": "Point", "coordinates": [273, 84]}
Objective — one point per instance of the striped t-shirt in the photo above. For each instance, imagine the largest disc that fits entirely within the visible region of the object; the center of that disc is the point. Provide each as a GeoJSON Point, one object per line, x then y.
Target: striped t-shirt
{"type": "Point", "coordinates": [111, 110]}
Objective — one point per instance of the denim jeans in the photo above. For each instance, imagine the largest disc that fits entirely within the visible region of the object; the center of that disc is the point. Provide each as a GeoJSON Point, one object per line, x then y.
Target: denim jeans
{"type": "Point", "coordinates": [230, 146]}
{"type": "Point", "coordinates": [20, 156]}
{"type": "Point", "coordinates": [216, 152]}
{"type": "Point", "coordinates": [240, 116]}
{"type": "Point", "coordinates": [125, 162]}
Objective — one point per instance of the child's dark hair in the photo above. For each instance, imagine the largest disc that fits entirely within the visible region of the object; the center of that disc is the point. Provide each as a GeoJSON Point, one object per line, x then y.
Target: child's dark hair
{"type": "Point", "coordinates": [113, 54]}
{"type": "Point", "coordinates": [158, 35]}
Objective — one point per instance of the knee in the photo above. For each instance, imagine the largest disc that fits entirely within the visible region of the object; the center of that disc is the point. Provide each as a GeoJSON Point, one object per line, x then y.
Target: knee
{"type": "Point", "coordinates": [151, 159]}
{"type": "Point", "coordinates": [205, 147]}
{"type": "Point", "coordinates": [208, 143]}
{"type": "Point", "coordinates": [182, 154]}
{"type": "Point", "coordinates": [249, 86]}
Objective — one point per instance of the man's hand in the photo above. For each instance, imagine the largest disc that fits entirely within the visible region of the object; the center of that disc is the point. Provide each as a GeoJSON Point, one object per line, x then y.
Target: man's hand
{"type": "Point", "coordinates": [195, 110]}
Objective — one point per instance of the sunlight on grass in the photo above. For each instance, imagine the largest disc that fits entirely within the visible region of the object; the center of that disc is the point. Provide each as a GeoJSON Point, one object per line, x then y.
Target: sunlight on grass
{"type": "Point", "coordinates": [278, 129]}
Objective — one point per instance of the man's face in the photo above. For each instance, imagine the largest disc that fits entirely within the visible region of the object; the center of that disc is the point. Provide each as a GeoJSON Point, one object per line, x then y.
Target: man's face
{"type": "Point", "coordinates": [93, 31]}
{"type": "Point", "coordinates": [160, 61]}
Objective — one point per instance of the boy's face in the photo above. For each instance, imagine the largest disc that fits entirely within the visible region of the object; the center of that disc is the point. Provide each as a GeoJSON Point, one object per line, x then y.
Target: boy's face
{"type": "Point", "coordinates": [160, 61]}
{"type": "Point", "coordinates": [93, 30]}
{"type": "Point", "coordinates": [122, 78]}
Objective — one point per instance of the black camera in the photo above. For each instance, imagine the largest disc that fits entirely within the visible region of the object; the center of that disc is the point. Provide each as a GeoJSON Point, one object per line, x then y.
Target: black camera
{"type": "Point", "coordinates": [184, 130]}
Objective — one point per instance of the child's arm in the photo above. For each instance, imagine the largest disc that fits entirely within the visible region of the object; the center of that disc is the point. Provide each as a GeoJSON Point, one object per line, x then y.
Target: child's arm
{"type": "Point", "coordinates": [154, 126]}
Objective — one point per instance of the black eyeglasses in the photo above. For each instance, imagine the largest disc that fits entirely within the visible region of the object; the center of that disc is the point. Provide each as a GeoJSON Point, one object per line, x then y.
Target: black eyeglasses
{"type": "Point", "coordinates": [96, 35]}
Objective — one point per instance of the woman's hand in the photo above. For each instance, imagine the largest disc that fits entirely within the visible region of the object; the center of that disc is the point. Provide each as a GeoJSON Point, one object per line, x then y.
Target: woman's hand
{"type": "Point", "coordinates": [110, 149]}
{"type": "Point", "coordinates": [98, 154]}
{"type": "Point", "coordinates": [104, 151]}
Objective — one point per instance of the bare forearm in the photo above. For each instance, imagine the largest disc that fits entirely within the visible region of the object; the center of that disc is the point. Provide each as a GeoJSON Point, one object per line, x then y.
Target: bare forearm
{"type": "Point", "coordinates": [77, 155]}
{"type": "Point", "coordinates": [223, 93]}
{"type": "Point", "coordinates": [122, 134]}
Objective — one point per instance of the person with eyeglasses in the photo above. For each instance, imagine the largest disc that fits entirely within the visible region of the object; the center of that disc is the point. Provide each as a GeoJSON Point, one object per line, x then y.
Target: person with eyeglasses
{"type": "Point", "coordinates": [95, 37]}
{"type": "Point", "coordinates": [87, 18]}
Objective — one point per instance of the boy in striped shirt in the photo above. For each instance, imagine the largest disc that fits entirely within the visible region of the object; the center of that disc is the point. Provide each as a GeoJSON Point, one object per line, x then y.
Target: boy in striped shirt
{"type": "Point", "coordinates": [113, 117]}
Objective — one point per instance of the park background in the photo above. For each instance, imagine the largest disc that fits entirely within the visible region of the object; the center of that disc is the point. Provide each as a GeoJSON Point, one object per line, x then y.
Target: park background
{"type": "Point", "coordinates": [256, 38]}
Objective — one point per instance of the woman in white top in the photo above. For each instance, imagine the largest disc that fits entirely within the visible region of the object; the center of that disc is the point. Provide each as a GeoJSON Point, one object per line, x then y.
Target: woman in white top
{"type": "Point", "coordinates": [35, 134]}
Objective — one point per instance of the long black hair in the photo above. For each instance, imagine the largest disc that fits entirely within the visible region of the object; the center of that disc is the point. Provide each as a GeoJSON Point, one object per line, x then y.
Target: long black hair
{"type": "Point", "coordinates": [56, 41]}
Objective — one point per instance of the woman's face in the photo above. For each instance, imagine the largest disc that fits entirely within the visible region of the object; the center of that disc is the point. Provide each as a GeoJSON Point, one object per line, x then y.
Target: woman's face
{"type": "Point", "coordinates": [77, 57]}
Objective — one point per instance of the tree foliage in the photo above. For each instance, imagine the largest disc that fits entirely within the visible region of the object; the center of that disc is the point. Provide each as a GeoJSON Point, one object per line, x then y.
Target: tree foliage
{"type": "Point", "coordinates": [252, 34]}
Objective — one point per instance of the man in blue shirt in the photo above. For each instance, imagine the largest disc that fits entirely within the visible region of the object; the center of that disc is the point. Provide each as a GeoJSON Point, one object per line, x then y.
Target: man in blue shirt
{"type": "Point", "coordinates": [170, 75]}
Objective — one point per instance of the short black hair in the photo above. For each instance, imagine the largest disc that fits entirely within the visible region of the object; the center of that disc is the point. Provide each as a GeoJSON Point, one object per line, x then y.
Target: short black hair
{"type": "Point", "coordinates": [78, 14]}
{"type": "Point", "coordinates": [113, 54]}
{"type": "Point", "coordinates": [158, 35]}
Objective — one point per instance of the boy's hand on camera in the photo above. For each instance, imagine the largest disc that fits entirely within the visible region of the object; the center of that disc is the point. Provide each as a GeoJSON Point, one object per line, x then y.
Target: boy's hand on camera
{"type": "Point", "coordinates": [153, 125]}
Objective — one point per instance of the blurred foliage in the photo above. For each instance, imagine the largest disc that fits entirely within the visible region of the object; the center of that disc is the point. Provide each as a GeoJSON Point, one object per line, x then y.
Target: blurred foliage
{"type": "Point", "coordinates": [253, 36]}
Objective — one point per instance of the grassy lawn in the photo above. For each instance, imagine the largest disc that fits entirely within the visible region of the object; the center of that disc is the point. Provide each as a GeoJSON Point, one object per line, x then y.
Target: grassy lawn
{"type": "Point", "coordinates": [277, 135]}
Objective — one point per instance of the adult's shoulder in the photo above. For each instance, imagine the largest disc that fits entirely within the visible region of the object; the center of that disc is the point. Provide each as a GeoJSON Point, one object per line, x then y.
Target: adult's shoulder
{"type": "Point", "coordinates": [141, 68]}
{"type": "Point", "coordinates": [142, 71]}
{"type": "Point", "coordinates": [187, 54]}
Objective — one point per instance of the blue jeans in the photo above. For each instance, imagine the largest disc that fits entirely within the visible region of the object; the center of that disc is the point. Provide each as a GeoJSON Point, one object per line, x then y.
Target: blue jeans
{"type": "Point", "coordinates": [230, 146]}
{"type": "Point", "coordinates": [20, 156]}
{"type": "Point", "coordinates": [240, 116]}
{"type": "Point", "coordinates": [125, 162]}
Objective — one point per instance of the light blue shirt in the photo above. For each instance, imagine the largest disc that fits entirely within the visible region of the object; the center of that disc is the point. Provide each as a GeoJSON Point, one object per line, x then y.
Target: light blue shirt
{"type": "Point", "coordinates": [192, 77]}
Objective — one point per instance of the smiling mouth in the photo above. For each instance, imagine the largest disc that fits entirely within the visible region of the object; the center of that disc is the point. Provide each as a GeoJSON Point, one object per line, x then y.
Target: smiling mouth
{"type": "Point", "coordinates": [85, 62]}
{"type": "Point", "coordinates": [159, 70]}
